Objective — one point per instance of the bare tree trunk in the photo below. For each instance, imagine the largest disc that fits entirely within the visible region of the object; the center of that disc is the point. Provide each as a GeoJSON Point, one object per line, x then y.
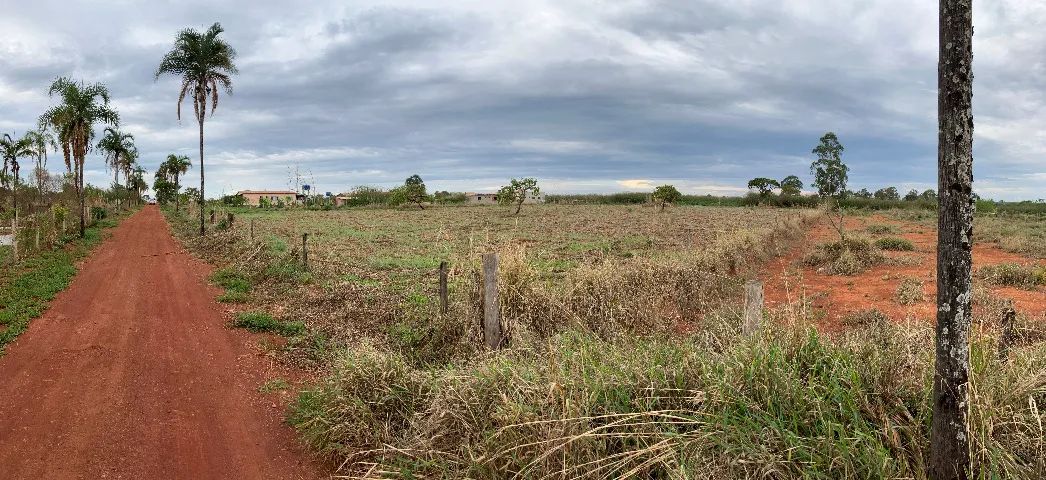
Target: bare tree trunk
{"type": "Point", "coordinates": [949, 435]}
{"type": "Point", "coordinates": [202, 228]}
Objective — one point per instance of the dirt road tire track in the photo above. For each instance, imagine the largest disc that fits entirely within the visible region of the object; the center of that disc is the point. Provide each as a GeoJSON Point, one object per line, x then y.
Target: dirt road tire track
{"type": "Point", "coordinates": [132, 374]}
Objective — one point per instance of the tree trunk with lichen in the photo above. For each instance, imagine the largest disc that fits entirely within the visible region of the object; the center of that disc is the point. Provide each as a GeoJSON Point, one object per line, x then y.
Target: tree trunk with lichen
{"type": "Point", "coordinates": [949, 436]}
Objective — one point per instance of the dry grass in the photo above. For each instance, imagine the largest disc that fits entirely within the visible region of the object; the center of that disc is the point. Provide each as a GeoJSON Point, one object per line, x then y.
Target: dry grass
{"type": "Point", "coordinates": [846, 257]}
{"type": "Point", "coordinates": [910, 291]}
{"type": "Point", "coordinates": [598, 381]}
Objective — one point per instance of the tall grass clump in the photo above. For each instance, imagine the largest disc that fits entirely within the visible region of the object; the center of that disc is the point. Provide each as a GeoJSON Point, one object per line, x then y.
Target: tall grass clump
{"type": "Point", "coordinates": [1013, 275]}
{"type": "Point", "coordinates": [791, 403]}
{"type": "Point", "coordinates": [850, 256]}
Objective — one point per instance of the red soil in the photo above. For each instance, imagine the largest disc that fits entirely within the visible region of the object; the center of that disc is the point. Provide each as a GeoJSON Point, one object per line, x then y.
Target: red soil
{"type": "Point", "coordinates": [132, 373]}
{"type": "Point", "coordinates": [788, 280]}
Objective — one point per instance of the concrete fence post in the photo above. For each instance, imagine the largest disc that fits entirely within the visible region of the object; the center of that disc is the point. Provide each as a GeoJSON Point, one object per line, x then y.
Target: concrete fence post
{"type": "Point", "coordinates": [492, 333]}
{"type": "Point", "coordinates": [753, 307]}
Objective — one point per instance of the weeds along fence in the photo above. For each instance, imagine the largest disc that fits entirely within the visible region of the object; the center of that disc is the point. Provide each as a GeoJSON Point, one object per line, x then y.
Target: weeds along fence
{"type": "Point", "coordinates": [29, 235]}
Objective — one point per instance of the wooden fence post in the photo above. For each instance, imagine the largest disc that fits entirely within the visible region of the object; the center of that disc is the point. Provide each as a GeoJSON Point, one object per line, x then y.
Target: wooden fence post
{"type": "Point", "coordinates": [230, 218]}
{"type": "Point", "coordinates": [212, 216]}
{"type": "Point", "coordinates": [37, 244]}
{"type": "Point", "coordinates": [753, 307]}
{"type": "Point", "coordinates": [304, 251]}
{"type": "Point", "coordinates": [443, 306]}
{"type": "Point", "coordinates": [252, 229]}
{"type": "Point", "coordinates": [492, 333]}
{"type": "Point", "coordinates": [1009, 316]}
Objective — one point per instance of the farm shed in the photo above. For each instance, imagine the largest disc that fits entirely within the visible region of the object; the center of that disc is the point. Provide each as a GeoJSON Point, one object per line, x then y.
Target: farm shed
{"type": "Point", "coordinates": [255, 197]}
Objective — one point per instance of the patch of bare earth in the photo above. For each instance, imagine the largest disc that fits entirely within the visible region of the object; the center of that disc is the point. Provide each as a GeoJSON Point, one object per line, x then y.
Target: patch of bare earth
{"type": "Point", "coordinates": [834, 297]}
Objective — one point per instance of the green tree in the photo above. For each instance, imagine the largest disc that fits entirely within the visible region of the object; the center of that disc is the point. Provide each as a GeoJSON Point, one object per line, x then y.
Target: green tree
{"type": "Point", "coordinates": [413, 191]}
{"type": "Point", "coordinates": [830, 173]}
{"type": "Point", "coordinates": [81, 107]}
{"type": "Point", "coordinates": [929, 195]}
{"type": "Point", "coordinates": [41, 139]}
{"type": "Point", "coordinates": [517, 191]}
{"type": "Point", "coordinates": [912, 195]}
{"type": "Point", "coordinates": [863, 193]}
{"type": "Point", "coordinates": [172, 169]}
{"type": "Point", "coordinates": [136, 181]}
{"type": "Point", "coordinates": [888, 193]}
{"type": "Point", "coordinates": [791, 185]}
{"type": "Point", "coordinates": [12, 150]}
{"type": "Point", "coordinates": [765, 186]}
{"type": "Point", "coordinates": [204, 62]}
{"type": "Point", "coordinates": [119, 149]}
{"type": "Point", "coordinates": [666, 194]}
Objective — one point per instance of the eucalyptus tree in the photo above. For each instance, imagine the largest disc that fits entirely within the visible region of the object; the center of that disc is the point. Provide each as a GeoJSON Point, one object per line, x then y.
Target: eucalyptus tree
{"type": "Point", "coordinates": [204, 62]}
{"type": "Point", "coordinates": [81, 107]}
{"type": "Point", "coordinates": [13, 149]}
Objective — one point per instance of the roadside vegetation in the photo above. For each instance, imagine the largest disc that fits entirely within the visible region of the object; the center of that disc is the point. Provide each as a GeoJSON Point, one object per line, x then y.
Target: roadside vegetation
{"type": "Point", "coordinates": [27, 288]}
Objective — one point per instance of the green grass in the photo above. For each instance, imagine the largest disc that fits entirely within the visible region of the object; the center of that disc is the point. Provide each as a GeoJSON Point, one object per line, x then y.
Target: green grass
{"type": "Point", "coordinates": [263, 322]}
{"type": "Point", "coordinates": [25, 294]}
{"type": "Point", "coordinates": [237, 286]}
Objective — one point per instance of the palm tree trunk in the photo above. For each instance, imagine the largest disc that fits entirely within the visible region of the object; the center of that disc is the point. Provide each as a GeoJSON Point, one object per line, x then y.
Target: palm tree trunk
{"type": "Point", "coordinates": [949, 430]}
{"type": "Point", "coordinates": [14, 191]}
{"type": "Point", "coordinates": [202, 228]}
{"type": "Point", "coordinates": [176, 195]}
{"type": "Point", "coordinates": [80, 192]}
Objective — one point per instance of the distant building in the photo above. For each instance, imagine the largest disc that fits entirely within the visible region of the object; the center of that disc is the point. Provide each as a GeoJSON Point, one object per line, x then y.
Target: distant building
{"type": "Point", "coordinates": [342, 200]}
{"type": "Point", "coordinates": [492, 198]}
{"type": "Point", "coordinates": [255, 197]}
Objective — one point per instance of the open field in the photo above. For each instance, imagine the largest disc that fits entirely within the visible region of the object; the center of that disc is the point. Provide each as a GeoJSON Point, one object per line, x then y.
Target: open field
{"type": "Point", "coordinates": [625, 352]}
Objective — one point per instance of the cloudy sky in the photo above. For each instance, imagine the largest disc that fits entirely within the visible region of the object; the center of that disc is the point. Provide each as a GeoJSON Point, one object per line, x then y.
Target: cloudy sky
{"type": "Point", "coordinates": [585, 95]}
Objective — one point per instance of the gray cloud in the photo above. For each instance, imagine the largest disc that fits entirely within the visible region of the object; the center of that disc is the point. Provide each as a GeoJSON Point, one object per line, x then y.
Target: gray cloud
{"type": "Point", "coordinates": [586, 95]}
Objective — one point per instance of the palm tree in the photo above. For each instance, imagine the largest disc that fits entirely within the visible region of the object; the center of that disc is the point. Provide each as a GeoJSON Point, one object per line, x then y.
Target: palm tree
{"type": "Point", "coordinates": [204, 62]}
{"type": "Point", "coordinates": [174, 167]}
{"type": "Point", "coordinates": [117, 147]}
{"type": "Point", "coordinates": [74, 120]}
{"type": "Point", "coordinates": [12, 150]}
{"type": "Point", "coordinates": [119, 151]}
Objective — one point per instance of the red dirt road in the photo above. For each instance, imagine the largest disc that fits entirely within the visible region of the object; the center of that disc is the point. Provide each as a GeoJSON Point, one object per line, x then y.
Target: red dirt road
{"type": "Point", "coordinates": [132, 374]}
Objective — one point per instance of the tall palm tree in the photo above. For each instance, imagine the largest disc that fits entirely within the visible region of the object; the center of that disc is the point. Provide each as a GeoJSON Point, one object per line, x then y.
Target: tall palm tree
{"type": "Point", "coordinates": [12, 150]}
{"type": "Point", "coordinates": [175, 166]}
{"type": "Point", "coordinates": [81, 107]}
{"type": "Point", "coordinates": [117, 147]}
{"type": "Point", "coordinates": [204, 62]}
{"type": "Point", "coordinates": [119, 151]}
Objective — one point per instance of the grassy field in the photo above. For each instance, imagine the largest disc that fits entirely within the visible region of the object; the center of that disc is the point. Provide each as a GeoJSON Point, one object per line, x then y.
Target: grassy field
{"type": "Point", "coordinates": [625, 354]}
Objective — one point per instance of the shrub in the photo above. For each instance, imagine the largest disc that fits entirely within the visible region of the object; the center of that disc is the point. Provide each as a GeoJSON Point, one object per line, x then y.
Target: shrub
{"type": "Point", "coordinates": [1013, 275]}
{"type": "Point", "coordinates": [894, 244]}
{"type": "Point", "coordinates": [910, 291]}
{"type": "Point", "coordinates": [847, 257]}
{"type": "Point", "coordinates": [881, 229]}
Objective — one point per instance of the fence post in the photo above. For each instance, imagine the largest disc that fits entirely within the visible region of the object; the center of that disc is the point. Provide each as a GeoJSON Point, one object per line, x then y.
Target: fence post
{"type": "Point", "coordinates": [252, 229]}
{"type": "Point", "coordinates": [753, 307]}
{"type": "Point", "coordinates": [37, 223]}
{"type": "Point", "coordinates": [230, 217]}
{"type": "Point", "coordinates": [304, 251]}
{"type": "Point", "coordinates": [212, 216]}
{"type": "Point", "coordinates": [1009, 316]}
{"type": "Point", "coordinates": [443, 306]}
{"type": "Point", "coordinates": [492, 333]}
